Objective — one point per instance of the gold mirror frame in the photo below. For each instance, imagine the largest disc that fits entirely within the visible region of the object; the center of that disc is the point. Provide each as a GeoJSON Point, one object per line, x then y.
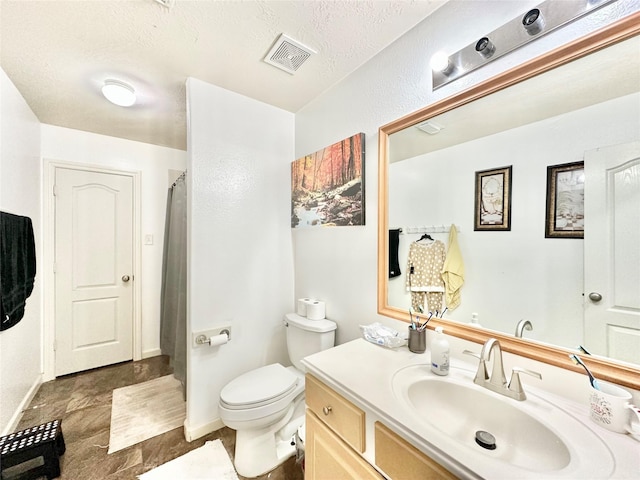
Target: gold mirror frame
{"type": "Point", "coordinates": [602, 368]}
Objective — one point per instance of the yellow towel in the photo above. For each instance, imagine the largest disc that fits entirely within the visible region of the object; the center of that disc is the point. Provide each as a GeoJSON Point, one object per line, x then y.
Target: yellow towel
{"type": "Point", "coordinates": [453, 271]}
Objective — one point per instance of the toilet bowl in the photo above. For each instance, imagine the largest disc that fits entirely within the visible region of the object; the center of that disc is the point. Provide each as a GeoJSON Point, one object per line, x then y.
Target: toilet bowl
{"type": "Point", "coordinates": [266, 405]}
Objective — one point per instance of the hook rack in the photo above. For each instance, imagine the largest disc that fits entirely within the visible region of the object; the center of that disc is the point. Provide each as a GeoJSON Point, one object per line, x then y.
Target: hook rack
{"type": "Point", "coordinates": [427, 229]}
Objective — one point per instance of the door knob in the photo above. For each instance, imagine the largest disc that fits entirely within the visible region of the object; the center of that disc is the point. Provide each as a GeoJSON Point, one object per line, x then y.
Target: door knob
{"type": "Point", "coordinates": [595, 297]}
{"type": "Point", "coordinates": [125, 278]}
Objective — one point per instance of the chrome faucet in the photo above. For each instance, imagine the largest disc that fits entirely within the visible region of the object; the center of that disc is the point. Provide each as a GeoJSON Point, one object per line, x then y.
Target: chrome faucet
{"type": "Point", "coordinates": [523, 325]}
{"type": "Point", "coordinates": [497, 381]}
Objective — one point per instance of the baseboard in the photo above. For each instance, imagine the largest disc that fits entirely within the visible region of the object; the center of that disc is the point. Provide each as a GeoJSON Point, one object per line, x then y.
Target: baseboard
{"type": "Point", "coordinates": [17, 415]}
{"type": "Point", "coordinates": [151, 353]}
{"type": "Point", "coordinates": [191, 434]}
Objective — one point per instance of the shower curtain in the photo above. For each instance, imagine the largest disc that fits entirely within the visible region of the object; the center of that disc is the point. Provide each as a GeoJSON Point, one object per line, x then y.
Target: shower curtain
{"type": "Point", "coordinates": [173, 316]}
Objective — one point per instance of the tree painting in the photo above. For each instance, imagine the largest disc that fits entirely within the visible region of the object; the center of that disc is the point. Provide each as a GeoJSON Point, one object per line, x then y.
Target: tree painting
{"type": "Point", "coordinates": [327, 187]}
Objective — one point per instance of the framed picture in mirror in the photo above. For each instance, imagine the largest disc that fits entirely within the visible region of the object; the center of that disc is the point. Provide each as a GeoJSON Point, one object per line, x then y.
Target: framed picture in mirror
{"type": "Point", "coordinates": [565, 201]}
{"type": "Point", "coordinates": [493, 199]}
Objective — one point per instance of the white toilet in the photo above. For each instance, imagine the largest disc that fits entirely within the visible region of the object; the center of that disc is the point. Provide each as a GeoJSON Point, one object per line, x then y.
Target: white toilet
{"type": "Point", "coordinates": [266, 406]}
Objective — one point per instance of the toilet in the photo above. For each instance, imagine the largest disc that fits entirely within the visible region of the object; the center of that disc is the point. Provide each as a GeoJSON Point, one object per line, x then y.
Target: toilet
{"type": "Point", "coordinates": [266, 405]}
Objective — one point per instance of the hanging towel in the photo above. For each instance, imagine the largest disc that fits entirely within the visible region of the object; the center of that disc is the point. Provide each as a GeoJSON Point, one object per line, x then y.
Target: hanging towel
{"type": "Point", "coordinates": [17, 267]}
{"type": "Point", "coordinates": [453, 271]}
{"type": "Point", "coordinates": [394, 242]}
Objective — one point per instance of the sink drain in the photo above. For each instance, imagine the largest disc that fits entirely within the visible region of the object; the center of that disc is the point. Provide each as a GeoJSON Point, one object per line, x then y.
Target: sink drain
{"type": "Point", "coordinates": [485, 440]}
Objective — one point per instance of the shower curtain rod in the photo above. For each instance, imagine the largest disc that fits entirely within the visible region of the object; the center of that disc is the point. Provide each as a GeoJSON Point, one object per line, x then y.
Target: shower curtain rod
{"type": "Point", "coordinates": [182, 175]}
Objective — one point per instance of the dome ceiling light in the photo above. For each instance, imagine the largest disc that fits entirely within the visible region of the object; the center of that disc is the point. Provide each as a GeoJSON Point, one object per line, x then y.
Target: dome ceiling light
{"type": "Point", "coordinates": [119, 93]}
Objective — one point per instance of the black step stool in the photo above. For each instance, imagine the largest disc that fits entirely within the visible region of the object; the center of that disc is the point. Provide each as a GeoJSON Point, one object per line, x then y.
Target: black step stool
{"type": "Point", "coordinates": [38, 448]}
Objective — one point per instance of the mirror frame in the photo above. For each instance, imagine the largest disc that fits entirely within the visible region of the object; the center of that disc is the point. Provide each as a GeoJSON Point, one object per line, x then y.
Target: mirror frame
{"type": "Point", "coordinates": [605, 369]}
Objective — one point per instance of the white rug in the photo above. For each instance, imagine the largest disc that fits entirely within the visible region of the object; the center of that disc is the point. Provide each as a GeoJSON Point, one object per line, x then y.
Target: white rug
{"type": "Point", "coordinates": [142, 411]}
{"type": "Point", "coordinates": [209, 462]}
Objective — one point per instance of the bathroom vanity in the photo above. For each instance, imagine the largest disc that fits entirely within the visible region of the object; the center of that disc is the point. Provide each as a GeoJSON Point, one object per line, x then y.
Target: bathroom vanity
{"type": "Point", "coordinates": [366, 420]}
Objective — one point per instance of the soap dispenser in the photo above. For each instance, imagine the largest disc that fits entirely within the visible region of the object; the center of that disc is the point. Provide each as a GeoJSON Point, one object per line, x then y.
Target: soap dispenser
{"type": "Point", "coordinates": [440, 353]}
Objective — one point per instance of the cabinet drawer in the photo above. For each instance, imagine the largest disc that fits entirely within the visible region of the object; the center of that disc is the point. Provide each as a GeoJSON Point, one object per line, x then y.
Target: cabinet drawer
{"type": "Point", "coordinates": [400, 460]}
{"type": "Point", "coordinates": [337, 412]}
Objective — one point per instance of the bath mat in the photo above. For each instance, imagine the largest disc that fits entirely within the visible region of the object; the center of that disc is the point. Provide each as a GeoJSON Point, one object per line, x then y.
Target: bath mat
{"type": "Point", "coordinates": [144, 410]}
{"type": "Point", "coordinates": [209, 462]}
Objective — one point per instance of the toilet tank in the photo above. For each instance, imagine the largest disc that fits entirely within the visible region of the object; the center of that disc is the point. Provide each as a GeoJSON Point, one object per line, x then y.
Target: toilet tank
{"type": "Point", "coordinates": [305, 337]}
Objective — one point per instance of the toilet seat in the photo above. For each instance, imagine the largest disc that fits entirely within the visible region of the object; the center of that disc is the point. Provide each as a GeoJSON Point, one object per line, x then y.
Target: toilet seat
{"type": "Point", "coordinates": [262, 386]}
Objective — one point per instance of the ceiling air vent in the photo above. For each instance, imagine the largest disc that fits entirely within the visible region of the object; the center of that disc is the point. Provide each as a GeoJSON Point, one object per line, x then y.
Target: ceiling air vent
{"type": "Point", "coordinates": [288, 54]}
{"type": "Point", "coordinates": [429, 127]}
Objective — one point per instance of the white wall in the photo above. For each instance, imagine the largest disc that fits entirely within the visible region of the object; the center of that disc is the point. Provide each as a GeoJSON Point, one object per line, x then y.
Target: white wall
{"type": "Point", "coordinates": [516, 274]}
{"type": "Point", "coordinates": [154, 163]}
{"type": "Point", "coordinates": [240, 262]}
{"type": "Point", "coordinates": [20, 346]}
{"type": "Point", "coordinates": [338, 265]}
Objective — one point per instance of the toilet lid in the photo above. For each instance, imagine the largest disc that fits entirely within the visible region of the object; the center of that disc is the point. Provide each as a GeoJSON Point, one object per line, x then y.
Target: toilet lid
{"type": "Point", "coordinates": [263, 385]}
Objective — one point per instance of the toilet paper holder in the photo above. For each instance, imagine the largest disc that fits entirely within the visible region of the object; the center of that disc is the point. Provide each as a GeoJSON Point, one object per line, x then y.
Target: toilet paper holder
{"type": "Point", "coordinates": [204, 338]}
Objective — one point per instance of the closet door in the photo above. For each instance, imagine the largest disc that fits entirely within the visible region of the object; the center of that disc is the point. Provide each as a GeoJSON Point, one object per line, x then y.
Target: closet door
{"type": "Point", "coordinates": [93, 269]}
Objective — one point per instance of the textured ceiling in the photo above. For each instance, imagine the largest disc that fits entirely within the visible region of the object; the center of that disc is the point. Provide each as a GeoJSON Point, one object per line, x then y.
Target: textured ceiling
{"type": "Point", "coordinates": [58, 53]}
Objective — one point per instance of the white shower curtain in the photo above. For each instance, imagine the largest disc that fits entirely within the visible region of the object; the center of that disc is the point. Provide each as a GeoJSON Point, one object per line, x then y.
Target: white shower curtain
{"type": "Point", "coordinates": [173, 317]}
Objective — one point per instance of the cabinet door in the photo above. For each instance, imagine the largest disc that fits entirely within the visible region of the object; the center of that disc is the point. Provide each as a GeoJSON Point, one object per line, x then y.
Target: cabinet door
{"type": "Point", "coordinates": [327, 457]}
{"type": "Point", "coordinates": [401, 461]}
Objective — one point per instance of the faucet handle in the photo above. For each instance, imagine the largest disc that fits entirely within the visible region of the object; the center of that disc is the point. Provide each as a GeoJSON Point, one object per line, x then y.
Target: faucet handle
{"type": "Point", "coordinates": [481, 375]}
{"type": "Point", "coordinates": [473, 354]}
{"type": "Point", "coordinates": [515, 385]}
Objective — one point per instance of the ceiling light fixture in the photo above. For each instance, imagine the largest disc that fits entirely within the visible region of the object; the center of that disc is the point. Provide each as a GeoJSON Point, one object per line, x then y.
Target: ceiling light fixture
{"type": "Point", "coordinates": [119, 93]}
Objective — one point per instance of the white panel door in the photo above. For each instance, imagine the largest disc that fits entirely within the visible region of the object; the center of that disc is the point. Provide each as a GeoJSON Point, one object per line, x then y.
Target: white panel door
{"type": "Point", "coordinates": [612, 251]}
{"type": "Point", "coordinates": [93, 269]}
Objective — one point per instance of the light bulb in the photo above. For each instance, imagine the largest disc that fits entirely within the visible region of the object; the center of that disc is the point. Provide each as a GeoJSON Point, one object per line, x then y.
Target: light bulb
{"type": "Point", "coordinates": [440, 62]}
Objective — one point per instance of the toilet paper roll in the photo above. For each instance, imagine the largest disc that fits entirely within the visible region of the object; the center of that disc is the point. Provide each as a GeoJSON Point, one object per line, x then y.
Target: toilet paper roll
{"type": "Point", "coordinates": [302, 306]}
{"type": "Point", "coordinates": [218, 339]}
{"type": "Point", "coordinates": [315, 310]}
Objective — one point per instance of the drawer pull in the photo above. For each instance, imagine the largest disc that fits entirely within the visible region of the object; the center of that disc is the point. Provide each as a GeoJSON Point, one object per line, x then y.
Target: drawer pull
{"type": "Point", "coordinates": [326, 410]}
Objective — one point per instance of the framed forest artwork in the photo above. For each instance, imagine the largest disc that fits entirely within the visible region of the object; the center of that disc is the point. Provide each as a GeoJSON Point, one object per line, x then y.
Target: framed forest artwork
{"type": "Point", "coordinates": [327, 187]}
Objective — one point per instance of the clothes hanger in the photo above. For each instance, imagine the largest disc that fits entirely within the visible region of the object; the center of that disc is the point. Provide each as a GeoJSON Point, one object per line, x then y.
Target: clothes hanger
{"type": "Point", "coordinates": [425, 236]}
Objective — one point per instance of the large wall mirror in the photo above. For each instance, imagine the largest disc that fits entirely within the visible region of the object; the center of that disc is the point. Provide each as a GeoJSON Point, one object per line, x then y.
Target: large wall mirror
{"type": "Point", "coordinates": [579, 103]}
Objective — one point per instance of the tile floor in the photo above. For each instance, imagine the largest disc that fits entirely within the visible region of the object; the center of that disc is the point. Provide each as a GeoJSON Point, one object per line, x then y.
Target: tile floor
{"type": "Point", "coordinates": [83, 402]}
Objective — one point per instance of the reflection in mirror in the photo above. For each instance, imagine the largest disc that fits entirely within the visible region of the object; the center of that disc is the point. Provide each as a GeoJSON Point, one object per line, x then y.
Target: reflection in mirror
{"type": "Point", "coordinates": [587, 111]}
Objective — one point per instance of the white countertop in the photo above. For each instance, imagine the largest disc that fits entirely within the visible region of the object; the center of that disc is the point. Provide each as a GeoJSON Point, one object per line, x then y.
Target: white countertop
{"type": "Point", "coordinates": [363, 373]}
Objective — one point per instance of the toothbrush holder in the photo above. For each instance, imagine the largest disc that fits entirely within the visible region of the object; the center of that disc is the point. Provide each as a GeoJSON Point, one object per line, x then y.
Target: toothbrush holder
{"type": "Point", "coordinates": [417, 340]}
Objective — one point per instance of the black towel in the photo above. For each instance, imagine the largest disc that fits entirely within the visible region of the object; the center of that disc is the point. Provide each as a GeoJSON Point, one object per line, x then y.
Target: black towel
{"type": "Point", "coordinates": [394, 241]}
{"type": "Point", "coordinates": [17, 267]}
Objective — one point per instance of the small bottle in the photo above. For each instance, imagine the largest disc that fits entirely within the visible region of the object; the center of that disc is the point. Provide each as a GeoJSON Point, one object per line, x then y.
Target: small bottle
{"type": "Point", "coordinates": [474, 320]}
{"type": "Point", "coordinates": [440, 353]}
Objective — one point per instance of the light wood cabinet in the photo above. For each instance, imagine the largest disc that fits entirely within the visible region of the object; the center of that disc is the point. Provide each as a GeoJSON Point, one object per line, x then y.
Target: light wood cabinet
{"type": "Point", "coordinates": [327, 457]}
{"type": "Point", "coordinates": [400, 460]}
{"type": "Point", "coordinates": [335, 435]}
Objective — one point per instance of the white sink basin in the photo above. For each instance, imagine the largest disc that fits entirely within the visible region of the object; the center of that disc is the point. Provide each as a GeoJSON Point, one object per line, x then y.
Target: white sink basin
{"type": "Point", "coordinates": [532, 435]}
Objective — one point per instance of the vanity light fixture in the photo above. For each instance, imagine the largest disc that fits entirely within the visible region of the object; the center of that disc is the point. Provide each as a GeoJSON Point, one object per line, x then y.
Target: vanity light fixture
{"type": "Point", "coordinates": [119, 93]}
{"type": "Point", "coordinates": [536, 22]}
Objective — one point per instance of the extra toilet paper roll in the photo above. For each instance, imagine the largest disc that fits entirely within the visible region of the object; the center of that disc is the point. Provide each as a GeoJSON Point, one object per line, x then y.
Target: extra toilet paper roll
{"type": "Point", "coordinates": [302, 306]}
{"type": "Point", "coordinates": [315, 310]}
{"type": "Point", "coordinates": [218, 339]}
